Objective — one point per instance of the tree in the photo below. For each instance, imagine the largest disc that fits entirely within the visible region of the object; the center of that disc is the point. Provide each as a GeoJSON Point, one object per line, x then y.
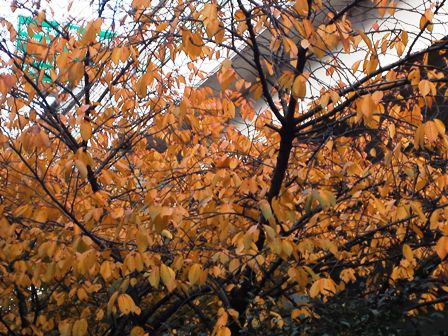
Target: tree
{"type": "Point", "coordinates": [131, 203]}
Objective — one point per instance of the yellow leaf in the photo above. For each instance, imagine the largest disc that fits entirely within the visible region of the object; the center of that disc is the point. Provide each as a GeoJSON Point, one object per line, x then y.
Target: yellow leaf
{"type": "Point", "coordinates": [367, 41]}
{"type": "Point", "coordinates": [65, 328]}
{"type": "Point", "coordinates": [138, 4]}
{"type": "Point", "coordinates": [192, 44]}
{"type": "Point", "coordinates": [41, 215]}
{"type": "Point", "coordinates": [392, 130]}
{"type": "Point", "coordinates": [233, 313]}
{"type": "Point", "coordinates": [419, 137]}
{"type": "Point", "coordinates": [234, 264]}
{"type": "Point", "coordinates": [334, 96]}
{"type": "Point", "coordinates": [381, 7]}
{"type": "Point", "coordinates": [81, 293]}
{"type": "Point", "coordinates": [166, 234]}
{"type": "Point", "coordinates": [295, 313]}
{"type": "Point", "coordinates": [137, 331]}
{"type": "Point", "coordinates": [429, 14]}
{"type": "Point", "coordinates": [299, 275]}
{"type": "Point", "coordinates": [124, 303]}
{"type": "Point", "coordinates": [442, 247]}
{"type": "Point", "coordinates": [301, 312]}
{"type": "Point", "coordinates": [299, 87]}
{"type": "Point", "coordinates": [291, 47]}
{"type": "Point", "coordinates": [434, 219]}
{"type": "Point", "coordinates": [86, 130]}
{"type": "Point", "coordinates": [116, 55]}
{"type": "Point", "coordinates": [407, 252]}
{"type": "Point", "coordinates": [92, 30]}
{"type": "Point", "coordinates": [305, 44]}
{"type": "Point", "coordinates": [106, 270]}
{"type": "Point", "coordinates": [440, 126]}
{"type": "Point", "coordinates": [287, 247]}
{"type": "Point", "coordinates": [210, 19]}
{"type": "Point", "coordinates": [111, 302]}
{"type": "Point", "coordinates": [80, 328]}
{"type": "Point", "coordinates": [355, 65]}
{"type": "Point", "coordinates": [323, 286]}
{"type": "Point", "coordinates": [330, 246]}
{"type": "Point", "coordinates": [117, 213]}
{"type": "Point", "coordinates": [276, 246]}
{"type": "Point", "coordinates": [392, 8]}
{"type": "Point", "coordinates": [162, 26]}
{"type": "Point", "coordinates": [270, 232]}
{"type": "Point", "coordinates": [141, 86]}
{"type": "Point", "coordinates": [87, 260]}
{"type": "Point", "coordinates": [371, 65]}
{"type": "Point", "coordinates": [127, 305]}
{"type": "Point", "coordinates": [194, 273]}
{"type": "Point", "coordinates": [309, 28]}
{"type": "Point", "coordinates": [154, 277]}
{"type": "Point", "coordinates": [301, 6]}
{"type": "Point", "coordinates": [229, 108]}
{"type": "Point", "coordinates": [266, 210]}
{"type": "Point", "coordinates": [223, 331]}
{"type": "Point", "coordinates": [404, 37]}
{"type": "Point", "coordinates": [414, 77]}
{"type": "Point", "coordinates": [75, 73]}
{"type": "Point", "coordinates": [142, 240]}
{"type": "Point", "coordinates": [431, 131]}
{"type": "Point", "coordinates": [233, 163]}
{"type": "Point", "coordinates": [168, 277]}
{"type": "Point", "coordinates": [348, 275]}
{"type": "Point", "coordinates": [377, 97]}
{"type": "Point", "coordinates": [424, 87]}
{"type": "Point", "coordinates": [326, 198]}
{"type": "Point", "coordinates": [417, 208]}
{"type": "Point", "coordinates": [82, 168]}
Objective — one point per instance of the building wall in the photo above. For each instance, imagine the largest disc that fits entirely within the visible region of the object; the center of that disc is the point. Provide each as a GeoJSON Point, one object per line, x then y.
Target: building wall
{"type": "Point", "coordinates": [363, 16]}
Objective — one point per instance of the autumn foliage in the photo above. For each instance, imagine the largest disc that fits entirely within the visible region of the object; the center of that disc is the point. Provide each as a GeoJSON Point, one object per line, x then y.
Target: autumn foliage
{"type": "Point", "coordinates": [143, 193]}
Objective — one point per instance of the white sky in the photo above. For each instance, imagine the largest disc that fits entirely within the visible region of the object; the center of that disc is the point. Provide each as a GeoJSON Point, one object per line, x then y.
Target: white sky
{"type": "Point", "coordinates": [56, 10]}
{"type": "Point", "coordinates": [80, 10]}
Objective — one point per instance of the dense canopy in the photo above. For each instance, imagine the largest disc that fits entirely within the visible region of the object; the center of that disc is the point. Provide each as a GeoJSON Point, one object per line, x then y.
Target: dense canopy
{"type": "Point", "coordinates": [226, 167]}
